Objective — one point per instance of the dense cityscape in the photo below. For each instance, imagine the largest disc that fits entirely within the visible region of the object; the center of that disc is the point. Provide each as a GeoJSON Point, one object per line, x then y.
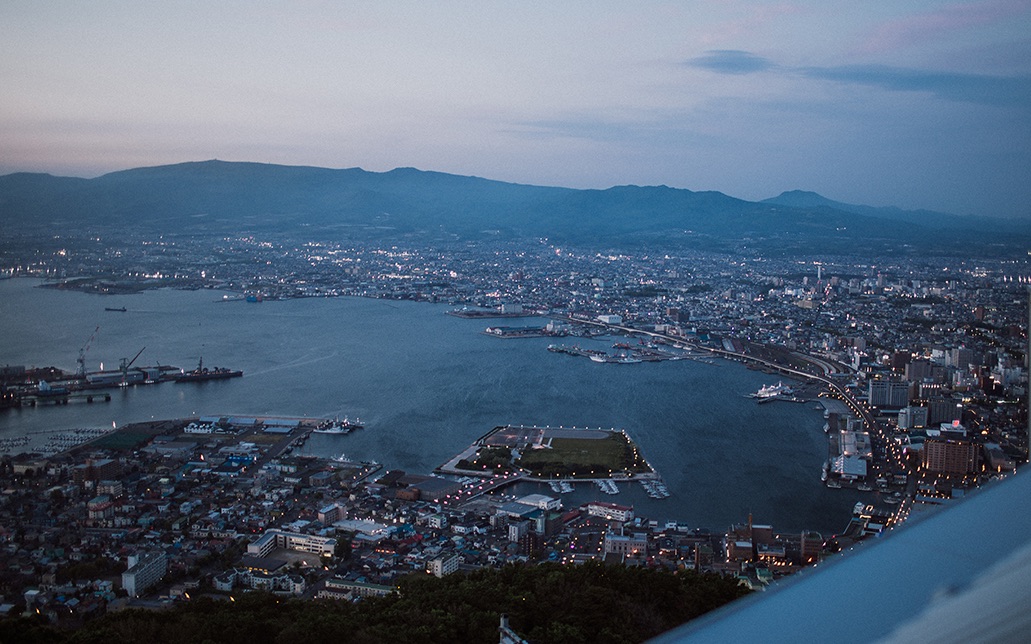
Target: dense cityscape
{"type": "Point", "coordinates": [919, 363]}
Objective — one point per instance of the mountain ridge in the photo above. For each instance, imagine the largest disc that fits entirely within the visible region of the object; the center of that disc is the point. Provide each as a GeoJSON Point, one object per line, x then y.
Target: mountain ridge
{"type": "Point", "coordinates": [409, 201]}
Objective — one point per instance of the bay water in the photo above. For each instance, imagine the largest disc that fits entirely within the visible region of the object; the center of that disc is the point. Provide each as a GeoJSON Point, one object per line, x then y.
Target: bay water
{"type": "Point", "coordinates": [426, 385]}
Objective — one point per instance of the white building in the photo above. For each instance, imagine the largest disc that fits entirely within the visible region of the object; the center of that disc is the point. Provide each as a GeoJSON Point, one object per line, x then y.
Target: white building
{"type": "Point", "coordinates": [610, 511]}
{"type": "Point", "coordinates": [438, 521]}
{"type": "Point", "coordinates": [541, 501]}
{"type": "Point", "coordinates": [849, 468]}
{"type": "Point", "coordinates": [610, 319]}
{"type": "Point", "coordinates": [261, 580]}
{"type": "Point", "coordinates": [444, 565]}
{"type": "Point", "coordinates": [636, 544]}
{"type": "Point", "coordinates": [144, 571]}
{"type": "Point", "coordinates": [273, 539]}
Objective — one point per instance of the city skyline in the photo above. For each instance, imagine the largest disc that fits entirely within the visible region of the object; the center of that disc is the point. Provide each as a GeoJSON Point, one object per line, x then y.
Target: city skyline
{"type": "Point", "coordinates": [915, 105]}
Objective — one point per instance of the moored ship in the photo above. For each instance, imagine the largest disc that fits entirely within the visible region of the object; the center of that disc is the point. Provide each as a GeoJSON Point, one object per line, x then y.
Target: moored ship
{"type": "Point", "coordinates": [344, 426]}
{"type": "Point", "coordinates": [202, 373]}
{"type": "Point", "coordinates": [771, 391]}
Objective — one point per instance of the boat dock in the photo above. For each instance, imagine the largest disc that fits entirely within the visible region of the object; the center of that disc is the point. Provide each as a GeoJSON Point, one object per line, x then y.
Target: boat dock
{"type": "Point", "coordinates": [31, 400]}
{"type": "Point", "coordinates": [794, 399]}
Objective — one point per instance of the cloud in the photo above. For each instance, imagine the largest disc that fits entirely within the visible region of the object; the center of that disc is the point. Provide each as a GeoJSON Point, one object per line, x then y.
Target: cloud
{"type": "Point", "coordinates": [984, 89]}
{"type": "Point", "coordinates": [660, 128]}
{"type": "Point", "coordinates": [908, 30]}
{"type": "Point", "coordinates": [969, 88]}
{"type": "Point", "coordinates": [580, 127]}
{"type": "Point", "coordinates": [731, 61]}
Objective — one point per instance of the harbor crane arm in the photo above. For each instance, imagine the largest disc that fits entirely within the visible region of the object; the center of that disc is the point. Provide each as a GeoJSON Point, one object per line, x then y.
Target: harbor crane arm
{"type": "Point", "coordinates": [134, 357]}
{"type": "Point", "coordinates": [126, 363]}
{"type": "Point", "coordinates": [81, 371]}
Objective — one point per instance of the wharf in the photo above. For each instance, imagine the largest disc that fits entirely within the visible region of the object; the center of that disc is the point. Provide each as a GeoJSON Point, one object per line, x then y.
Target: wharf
{"type": "Point", "coordinates": [483, 314]}
{"type": "Point", "coordinates": [63, 399]}
{"type": "Point", "coordinates": [626, 354]}
{"type": "Point", "coordinates": [574, 350]}
{"type": "Point", "coordinates": [516, 331]}
{"type": "Point", "coordinates": [794, 399]}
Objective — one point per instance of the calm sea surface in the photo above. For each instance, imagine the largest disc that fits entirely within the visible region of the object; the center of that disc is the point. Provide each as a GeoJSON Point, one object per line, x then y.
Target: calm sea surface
{"type": "Point", "coordinates": [426, 385]}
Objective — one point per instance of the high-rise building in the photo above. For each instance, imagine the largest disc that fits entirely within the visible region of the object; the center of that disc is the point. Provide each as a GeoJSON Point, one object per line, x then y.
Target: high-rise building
{"type": "Point", "coordinates": [917, 370]}
{"type": "Point", "coordinates": [962, 358]}
{"type": "Point", "coordinates": [950, 456]}
{"type": "Point", "coordinates": [888, 393]}
{"type": "Point", "coordinates": [912, 417]}
{"type": "Point", "coordinates": [943, 410]}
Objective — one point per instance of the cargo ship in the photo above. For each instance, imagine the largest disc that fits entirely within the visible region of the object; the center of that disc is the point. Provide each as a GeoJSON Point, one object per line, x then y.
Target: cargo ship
{"type": "Point", "coordinates": [202, 373]}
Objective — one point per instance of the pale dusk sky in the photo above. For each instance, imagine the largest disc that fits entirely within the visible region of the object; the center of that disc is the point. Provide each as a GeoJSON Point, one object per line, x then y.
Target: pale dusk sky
{"type": "Point", "coordinates": [915, 104]}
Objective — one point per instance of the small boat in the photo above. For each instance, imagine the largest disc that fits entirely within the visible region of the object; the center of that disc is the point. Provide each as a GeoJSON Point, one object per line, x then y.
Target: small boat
{"type": "Point", "coordinates": [120, 309]}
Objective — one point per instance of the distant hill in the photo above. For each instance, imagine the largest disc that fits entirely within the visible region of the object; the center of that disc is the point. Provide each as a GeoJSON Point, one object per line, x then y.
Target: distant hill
{"type": "Point", "coordinates": [217, 196]}
{"type": "Point", "coordinates": [803, 199]}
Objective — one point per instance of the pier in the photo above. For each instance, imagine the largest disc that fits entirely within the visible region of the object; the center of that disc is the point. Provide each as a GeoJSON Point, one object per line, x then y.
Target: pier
{"type": "Point", "coordinates": [32, 400]}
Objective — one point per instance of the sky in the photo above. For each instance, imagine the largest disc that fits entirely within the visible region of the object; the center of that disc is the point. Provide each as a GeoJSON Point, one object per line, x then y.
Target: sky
{"type": "Point", "coordinates": [909, 103]}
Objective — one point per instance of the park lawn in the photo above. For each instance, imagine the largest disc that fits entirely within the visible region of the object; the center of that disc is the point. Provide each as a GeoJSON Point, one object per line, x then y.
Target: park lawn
{"type": "Point", "coordinates": [581, 457]}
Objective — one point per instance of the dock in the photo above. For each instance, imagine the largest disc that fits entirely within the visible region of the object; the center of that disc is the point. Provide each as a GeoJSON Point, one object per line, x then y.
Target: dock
{"type": "Point", "coordinates": [88, 397]}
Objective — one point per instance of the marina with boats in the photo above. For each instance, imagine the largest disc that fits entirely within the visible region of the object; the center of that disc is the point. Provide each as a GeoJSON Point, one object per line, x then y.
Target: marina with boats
{"type": "Point", "coordinates": [52, 441]}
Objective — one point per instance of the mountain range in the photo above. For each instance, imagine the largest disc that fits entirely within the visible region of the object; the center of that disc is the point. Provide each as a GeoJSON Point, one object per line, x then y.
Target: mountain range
{"type": "Point", "coordinates": [219, 197]}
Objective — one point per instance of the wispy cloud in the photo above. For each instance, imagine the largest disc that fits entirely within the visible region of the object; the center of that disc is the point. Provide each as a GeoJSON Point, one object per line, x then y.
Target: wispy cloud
{"type": "Point", "coordinates": [731, 61]}
{"type": "Point", "coordinates": [938, 24]}
{"type": "Point", "coordinates": [1006, 91]}
{"type": "Point", "coordinates": [581, 127]}
{"type": "Point", "coordinates": [658, 127]}
{"type": "Point", "coordinates": [970, 88]}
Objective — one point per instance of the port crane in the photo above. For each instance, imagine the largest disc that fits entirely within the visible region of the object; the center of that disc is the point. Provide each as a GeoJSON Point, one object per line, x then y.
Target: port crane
{"type": "Point", "coordinates": [126, 363]}
{"type": "Point", "coordinates": [80, 372]}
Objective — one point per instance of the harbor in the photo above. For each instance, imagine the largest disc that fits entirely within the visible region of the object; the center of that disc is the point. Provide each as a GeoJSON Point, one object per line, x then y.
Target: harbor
{"type": "Point", "coordinates": [675, 410]}
{"type": "Point", "coordinates": [24, 387]}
